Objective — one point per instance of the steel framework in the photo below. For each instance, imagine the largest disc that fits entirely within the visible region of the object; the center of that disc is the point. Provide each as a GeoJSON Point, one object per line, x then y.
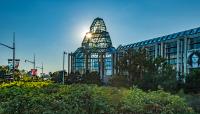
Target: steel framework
{"type": "Point", "coordinates": [96, 52]}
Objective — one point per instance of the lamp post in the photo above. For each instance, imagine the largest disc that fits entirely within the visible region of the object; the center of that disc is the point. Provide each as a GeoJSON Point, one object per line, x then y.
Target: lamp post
{"type": "Point", "coordinates": [13, 48]}
{"type": "Point", "coordinates": [32, 62]}
{"type": "Point", "coordinates": [42, 68]}
{"type": "Point", "coordinates": [63, 77]}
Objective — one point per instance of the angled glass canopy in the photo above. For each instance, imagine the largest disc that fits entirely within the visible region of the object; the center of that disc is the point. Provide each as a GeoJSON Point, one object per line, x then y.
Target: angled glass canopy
{"type": "Point", "coordinates": [96, 51]}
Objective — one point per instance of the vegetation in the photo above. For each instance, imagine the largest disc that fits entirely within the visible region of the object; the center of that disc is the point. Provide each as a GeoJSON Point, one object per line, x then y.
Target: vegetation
{"type": "Point", "coordinates": [146, 80]}
{"type": "Point", "coordinates": [192, 84]}
{"type": "Point", "coordinates": [148, 74]}
{"type": "Point", "coordinates": [24, 97]}
{"type": "Point", "coordinates": [92, 78]}
{"type": "Point", "coordinates": [74, 78]}
{"type": "Point", "coordinates": [138, 69]}
{"type": "Point", "coordinates": [56, 76]}
{"type": "Point", "coordinates": [119, 81]}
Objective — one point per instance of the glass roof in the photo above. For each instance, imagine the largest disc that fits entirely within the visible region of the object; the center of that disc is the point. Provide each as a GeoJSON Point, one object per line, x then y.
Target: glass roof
{"type": "Point", "coordinates": [97, 37]}
{"type": "Point", "coordinates": [160, 39]}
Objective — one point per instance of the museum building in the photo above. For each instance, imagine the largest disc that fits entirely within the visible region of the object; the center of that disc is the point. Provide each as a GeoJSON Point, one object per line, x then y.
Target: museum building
{"type": "Point", "coordinates": [181, 49]}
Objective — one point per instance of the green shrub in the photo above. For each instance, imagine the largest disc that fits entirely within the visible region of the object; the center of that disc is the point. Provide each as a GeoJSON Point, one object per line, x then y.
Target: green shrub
{"type": "Point", "coordinates": [48, 98]}
{"type": "Point", "coordinates": [193, 100]}
{"type": "Point", "coordinates": [118, 81]}
{"type": "Point", "coordinates": [155, 102]}
{"type": "Point", "coordinates": [192, 82]}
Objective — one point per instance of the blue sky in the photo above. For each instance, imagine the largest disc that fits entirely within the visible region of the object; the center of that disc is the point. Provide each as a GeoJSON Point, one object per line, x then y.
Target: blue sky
{"type": "Point", "coordinates": [47, 27]}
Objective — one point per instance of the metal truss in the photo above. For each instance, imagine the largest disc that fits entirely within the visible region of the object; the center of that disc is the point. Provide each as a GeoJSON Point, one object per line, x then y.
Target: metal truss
{"type": "Point", "coordinates": [96, 51]}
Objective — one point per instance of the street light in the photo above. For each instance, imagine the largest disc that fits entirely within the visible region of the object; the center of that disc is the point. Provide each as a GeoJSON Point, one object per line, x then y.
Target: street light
{"type": "Point", "coordinates": [32, 62]}
{"type": "Point", "coordinates": [13, 48]}
{"type": "Point", "coordinates": [42, 68]}
{"type": "Point", "coordinates": [63, 78]}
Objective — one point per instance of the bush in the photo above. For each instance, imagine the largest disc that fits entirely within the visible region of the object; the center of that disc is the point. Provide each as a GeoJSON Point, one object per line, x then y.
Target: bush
{"type": "Point", "coordinates": [154, 102]}
{"type": "Point", "coordinates": [91, 78]}
{"type": "Point", "coordinates": [192, 82]}
{"type": "Point", "coordinates": [48, 98]}
{"type": "Point", "coordinates": [193, 100]}
{"type": "Point", "coordinates": [119, 81]}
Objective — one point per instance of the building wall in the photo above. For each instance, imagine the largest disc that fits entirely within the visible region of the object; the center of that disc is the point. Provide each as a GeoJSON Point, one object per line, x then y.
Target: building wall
{"type": "Point", "coordinates": [102, 57]}
{"type": "Point", "coordinates": [173, 47]}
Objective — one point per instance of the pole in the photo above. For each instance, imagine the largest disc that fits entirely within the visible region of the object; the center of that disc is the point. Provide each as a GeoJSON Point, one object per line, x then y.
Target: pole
{"type": "Point", "coordinates": [33, 61]}
{"type": "Point", "coordinates": [68, 64]}
{"type": "Point", "coordinates": [63, 68]}
{"type": "Point", "coordinates": [63, 77]}
{"type": "Point", "coordinates": [42, 68]}
{"type": "Point", "coordinates": [13, 48]}
{"type": "Point", "coordinates": [13, 54]}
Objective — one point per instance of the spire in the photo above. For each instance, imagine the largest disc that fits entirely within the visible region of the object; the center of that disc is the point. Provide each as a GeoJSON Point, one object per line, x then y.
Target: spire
{"type": "Point", "coordinates": [98, 37]}
{"type": "Point", "coordinates": [98, 26]}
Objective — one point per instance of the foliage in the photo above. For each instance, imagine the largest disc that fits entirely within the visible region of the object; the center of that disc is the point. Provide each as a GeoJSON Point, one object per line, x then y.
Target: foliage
{"type": "Point", "coordinates": [57, 76]}
{"type": "Point", "coordinates": [194, 101]}
{"type": "Point", "coordinates": [92, 78]}
{"type": "Point", "coordinates": [3, 70]}
{"type": "Point", "coordinates": [164, 77]}
{"type": "Point", "coordinates": [155, 102]}
{"type": "Point", "coordinates": [87, 78]}
{"type": "Point", "coordinates": [145, 72]}
{"type": "Point", "coordinates": [24, 84]}
{"type": "Point", "coordinates": [7, 76]}
{"type": "Point", "coordinates": [45, 97]}
{"type": "Point", "coordinates": [192, 82]}
{"type": "Point", "coordinates": [133, 63]}
{"type": "Point", "coordinates": [118, 81]}
{"type": "Point", "coordinates": [74, 78]}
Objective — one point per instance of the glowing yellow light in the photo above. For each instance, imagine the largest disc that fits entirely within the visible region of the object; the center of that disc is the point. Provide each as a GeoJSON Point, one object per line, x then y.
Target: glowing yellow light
{"type": "Point", "coordinates": [88, 35]}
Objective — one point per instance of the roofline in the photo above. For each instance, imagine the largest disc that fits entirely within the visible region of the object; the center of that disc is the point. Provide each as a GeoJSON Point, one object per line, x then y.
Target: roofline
{"type": "Point", "coordinates": [162, 38]}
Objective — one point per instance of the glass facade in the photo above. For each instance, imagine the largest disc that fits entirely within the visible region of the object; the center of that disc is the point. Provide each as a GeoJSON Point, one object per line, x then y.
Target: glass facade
{"type": "Point", "coordinates": [171, 52]}
{"type": "Point", "coordinates": [195, 43]}
{"type": "Point", "coordinates": [173, 47]}
{"type": "Point", "coordinates": [96, 52]}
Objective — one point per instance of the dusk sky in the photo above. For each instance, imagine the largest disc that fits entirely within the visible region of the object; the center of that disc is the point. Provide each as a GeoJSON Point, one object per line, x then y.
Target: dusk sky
{"type": "Point", "coordinates": [48, 27]}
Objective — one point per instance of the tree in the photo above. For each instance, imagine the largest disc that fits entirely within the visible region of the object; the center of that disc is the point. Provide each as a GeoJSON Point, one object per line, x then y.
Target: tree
{"type": "Point", "coordinates": [159, 74]}
{"type": "Point", "coordinates": [192, 83]}
{"type": "Point", "coordinates": [74, 78]}
{"type": "Point", "coordinates": [57, 76]}
{"type": "Point", "coordinates": [3, 71]}
{"type": "Point", "coordinates": [118, 81]}
{"type": "Point", "coordinates": [87, 78]}
{"type": "Point", "coordinates": [92, 78]}
{"type": "Point", "coordinates": [133, 63]}
{"type": "Point", "coordinates": [146, 72]}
